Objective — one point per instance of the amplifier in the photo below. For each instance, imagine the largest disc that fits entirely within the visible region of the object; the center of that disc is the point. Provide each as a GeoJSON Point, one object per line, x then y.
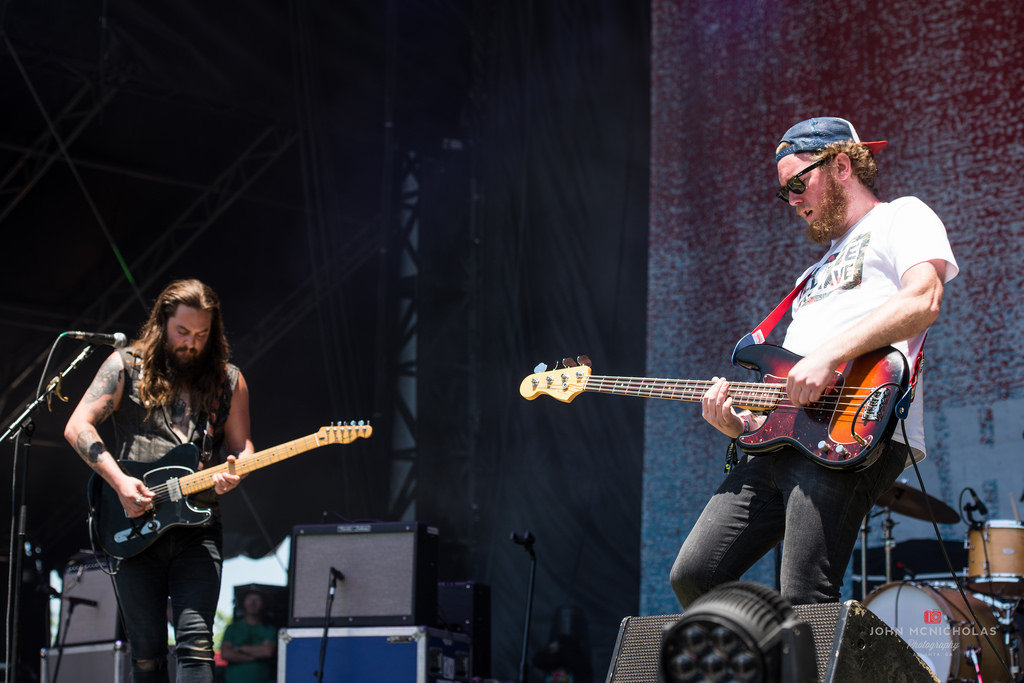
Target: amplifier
{"type": "Point", "coordinates": [465, 607]}
{"type": "Point", "coordinates": [88, 606]}
{"type": "Point", "coordinates": [386, 574]}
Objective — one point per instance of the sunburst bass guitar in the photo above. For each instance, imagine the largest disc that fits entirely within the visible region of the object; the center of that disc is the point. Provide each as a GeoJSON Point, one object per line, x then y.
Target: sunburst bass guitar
{"type": "Point", "coordinates": [841, 430]}
{"type": "Point", "coordinates": [174, 477]}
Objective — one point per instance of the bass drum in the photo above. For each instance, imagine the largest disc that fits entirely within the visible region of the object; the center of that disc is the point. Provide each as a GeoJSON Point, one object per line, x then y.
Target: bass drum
{"type": "Point", "coordinates": [938, 627]}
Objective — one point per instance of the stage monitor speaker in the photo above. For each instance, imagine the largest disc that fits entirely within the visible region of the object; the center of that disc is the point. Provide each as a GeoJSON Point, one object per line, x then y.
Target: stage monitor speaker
{"type": "Point", "coordinates": [850, 643]}
{"type": "Point", "coordinates": [88, 606]}
{"type": "Point", "coordinates": [466, 606]}
{"type": "Point", "coordinates": [388, 574]}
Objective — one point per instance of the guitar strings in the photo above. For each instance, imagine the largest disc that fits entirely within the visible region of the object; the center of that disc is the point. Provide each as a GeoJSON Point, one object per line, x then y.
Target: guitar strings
{"type": "Point", "coordinates": [759, 394]}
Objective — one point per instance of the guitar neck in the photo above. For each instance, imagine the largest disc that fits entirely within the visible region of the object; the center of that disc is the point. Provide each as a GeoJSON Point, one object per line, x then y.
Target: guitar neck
{"type": "Point", "coordinates": [749, 395]}
{"type": "Point", "coordinates": [203, 479]}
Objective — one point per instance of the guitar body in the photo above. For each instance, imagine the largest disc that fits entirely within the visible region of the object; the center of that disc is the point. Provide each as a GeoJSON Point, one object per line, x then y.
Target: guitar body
{"type": "Point", "coordinates": [175, 477]}
{"type": "Point", "coordinates": [121, 536]}
{"type": "Point", "coordinates": [841, 430]}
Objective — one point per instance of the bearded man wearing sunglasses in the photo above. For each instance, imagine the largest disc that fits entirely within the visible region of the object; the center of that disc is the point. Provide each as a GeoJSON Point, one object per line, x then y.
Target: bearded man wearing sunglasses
{"type": "Point", "coordinates": [879, 282]}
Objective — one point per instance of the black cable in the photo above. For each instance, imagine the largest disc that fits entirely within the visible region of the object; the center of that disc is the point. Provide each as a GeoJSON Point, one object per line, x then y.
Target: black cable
{"type": "Point", "coordinates": [945, 555]}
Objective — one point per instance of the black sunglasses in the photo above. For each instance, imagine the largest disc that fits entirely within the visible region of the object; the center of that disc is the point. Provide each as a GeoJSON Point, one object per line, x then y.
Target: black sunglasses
{"type": "Point", "coordinates": [796, 185]}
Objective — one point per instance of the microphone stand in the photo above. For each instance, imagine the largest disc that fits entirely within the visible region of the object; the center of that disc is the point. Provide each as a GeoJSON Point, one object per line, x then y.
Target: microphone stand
{"type": "Point", "coordinates": [23, 425]}
{"type": "Point", "coordinates": [62, 633]}
{"type": "Point", "coordinates": [332, 586]}
{"type": "Point", "coordinates": [526, 540]}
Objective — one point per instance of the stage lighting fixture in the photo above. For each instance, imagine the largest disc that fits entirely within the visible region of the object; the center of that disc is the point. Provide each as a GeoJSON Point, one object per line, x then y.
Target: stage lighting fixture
{"type": "Point", "coordinates": [739, 631]}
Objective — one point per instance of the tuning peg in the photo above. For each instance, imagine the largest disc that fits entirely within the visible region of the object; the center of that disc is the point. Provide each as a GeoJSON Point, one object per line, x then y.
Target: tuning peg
{"type": "Point", "coordinates": [568, 362]}
{"type": "Point", "coordinates": [541, 367]}
{"type": "Point", "coordinates": [584, 360]}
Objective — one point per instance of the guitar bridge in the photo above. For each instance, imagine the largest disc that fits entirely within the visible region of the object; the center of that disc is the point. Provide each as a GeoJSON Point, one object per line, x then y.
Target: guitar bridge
{"type": "Point", "coordinates": [874, 407]}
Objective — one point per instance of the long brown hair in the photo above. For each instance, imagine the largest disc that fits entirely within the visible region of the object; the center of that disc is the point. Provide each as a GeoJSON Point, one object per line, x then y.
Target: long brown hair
{"type": "Point", "coordinates": [158, 386]}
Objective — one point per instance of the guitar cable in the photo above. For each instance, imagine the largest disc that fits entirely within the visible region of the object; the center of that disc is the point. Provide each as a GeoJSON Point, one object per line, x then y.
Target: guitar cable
{"type": "Point", "coordinates": [949, 563]}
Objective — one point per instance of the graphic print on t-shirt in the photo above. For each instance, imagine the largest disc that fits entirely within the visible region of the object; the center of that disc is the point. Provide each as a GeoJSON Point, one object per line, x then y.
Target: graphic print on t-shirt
{"type": "Point", "coordinates": [841, 271]}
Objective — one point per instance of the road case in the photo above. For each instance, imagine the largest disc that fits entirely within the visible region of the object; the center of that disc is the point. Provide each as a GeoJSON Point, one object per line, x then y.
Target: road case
{"type": "Point", "coordinates": [364, 654]}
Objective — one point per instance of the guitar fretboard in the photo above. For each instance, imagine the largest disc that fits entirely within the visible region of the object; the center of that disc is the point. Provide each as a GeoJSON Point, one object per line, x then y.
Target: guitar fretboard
{"type": "Point", "coordinates": [203, 479]}
{"type": "Point", "coordinates": [749, 395]}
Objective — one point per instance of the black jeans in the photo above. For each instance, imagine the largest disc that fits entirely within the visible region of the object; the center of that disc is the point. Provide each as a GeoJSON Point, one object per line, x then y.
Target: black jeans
{"type": "Point", "coordinates": [783, 495]}
{"type": "Point", "coordinates": [184, 564]}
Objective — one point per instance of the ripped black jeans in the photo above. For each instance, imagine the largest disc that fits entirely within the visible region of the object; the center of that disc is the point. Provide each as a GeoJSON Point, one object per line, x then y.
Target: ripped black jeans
{"type": "Point", "coordinates": [184, 564]}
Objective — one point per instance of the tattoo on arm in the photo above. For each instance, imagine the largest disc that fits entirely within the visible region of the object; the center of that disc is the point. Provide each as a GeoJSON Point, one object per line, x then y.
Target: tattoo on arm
{"type": "Point", "coordinates": [90, 447]}
{"type": "Point", "coordinates": [105, 383]}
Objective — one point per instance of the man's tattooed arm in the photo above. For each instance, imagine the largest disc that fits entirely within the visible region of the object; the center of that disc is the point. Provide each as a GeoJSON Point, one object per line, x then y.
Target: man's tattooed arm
{"type": "Point", "coordinates": [97, 405]}
{"type": "Point", "coordinates": [105, 385]}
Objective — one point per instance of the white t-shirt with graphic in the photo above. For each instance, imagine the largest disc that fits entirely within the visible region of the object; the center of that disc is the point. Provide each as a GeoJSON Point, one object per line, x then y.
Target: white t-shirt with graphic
{"type": "Point", "coordinates": [859, 273]}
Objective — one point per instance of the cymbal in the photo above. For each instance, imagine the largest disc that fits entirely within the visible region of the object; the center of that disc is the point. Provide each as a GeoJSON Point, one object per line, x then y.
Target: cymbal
{"type": "Point", "coordinates": [911, 502]}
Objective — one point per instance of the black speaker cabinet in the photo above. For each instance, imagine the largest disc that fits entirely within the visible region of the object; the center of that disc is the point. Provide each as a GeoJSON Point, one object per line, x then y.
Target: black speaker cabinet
{"type": "Point", "coordinates": [465, 606]}
{"type": "Point", "coordinates": [387, 574]}
{"type": "Point", "coordinates": [851, 644]}
{"type": "Point", "coordinates": [88, 606]}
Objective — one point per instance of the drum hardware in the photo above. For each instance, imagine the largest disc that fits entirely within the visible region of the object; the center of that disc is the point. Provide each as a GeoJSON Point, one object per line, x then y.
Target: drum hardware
{"type": "Point", "coordinates": [937, 625]}
{"type": "Point", "coordinates": [905, 500]}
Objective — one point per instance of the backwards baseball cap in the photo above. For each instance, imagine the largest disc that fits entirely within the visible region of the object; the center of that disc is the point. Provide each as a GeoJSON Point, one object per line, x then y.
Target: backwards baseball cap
{"type": "Point", "coordinates": [813, 135]}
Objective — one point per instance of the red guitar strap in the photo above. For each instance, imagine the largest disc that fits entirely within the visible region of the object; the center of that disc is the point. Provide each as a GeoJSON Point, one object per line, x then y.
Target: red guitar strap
{"type": "Point", "coordinates": [765, 327]}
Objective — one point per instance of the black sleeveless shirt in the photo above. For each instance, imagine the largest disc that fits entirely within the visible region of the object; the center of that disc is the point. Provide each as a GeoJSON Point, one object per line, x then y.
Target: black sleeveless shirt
{"type": "Point", "coordinates": [148, 440]}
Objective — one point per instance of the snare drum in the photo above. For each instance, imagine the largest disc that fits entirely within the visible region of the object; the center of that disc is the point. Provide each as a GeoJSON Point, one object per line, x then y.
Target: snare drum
{"type": "Point", "coordinates": [938, 627]}
{"type": "Point", "coordinates": [995, 559]}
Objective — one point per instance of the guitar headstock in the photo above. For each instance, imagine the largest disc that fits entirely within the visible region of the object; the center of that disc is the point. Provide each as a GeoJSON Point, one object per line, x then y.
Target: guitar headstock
{"type": "Point", "coordinates": [344, 432]}
{"type": "Point", "coordinates": [563, 383]}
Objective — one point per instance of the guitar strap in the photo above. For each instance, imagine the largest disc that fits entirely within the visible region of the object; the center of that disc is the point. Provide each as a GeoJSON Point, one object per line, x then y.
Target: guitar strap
{"type": "Point", "coordinates": [201, 437]}
{"type": "Point", "coordinates": [765, 327]}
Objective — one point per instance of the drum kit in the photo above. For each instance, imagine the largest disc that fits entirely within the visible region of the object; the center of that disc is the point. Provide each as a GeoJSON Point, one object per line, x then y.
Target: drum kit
{"type": "Point", "coordinates": [969, 627]}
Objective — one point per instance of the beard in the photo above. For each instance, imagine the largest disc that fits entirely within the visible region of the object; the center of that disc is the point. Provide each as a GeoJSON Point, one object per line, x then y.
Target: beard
{"type": "Point", "coordinates": [831, 220]}
{"type": "Point", "coordinates": [183, 369]}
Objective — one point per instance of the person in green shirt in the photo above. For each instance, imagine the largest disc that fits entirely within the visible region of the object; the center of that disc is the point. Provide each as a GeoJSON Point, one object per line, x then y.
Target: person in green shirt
{"type": "Point", "coordinates": [249, 644]}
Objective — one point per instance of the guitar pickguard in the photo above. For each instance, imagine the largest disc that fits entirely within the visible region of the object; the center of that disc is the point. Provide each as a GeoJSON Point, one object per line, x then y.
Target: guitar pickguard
{"type": "Point", "coordinates": [842, 428]}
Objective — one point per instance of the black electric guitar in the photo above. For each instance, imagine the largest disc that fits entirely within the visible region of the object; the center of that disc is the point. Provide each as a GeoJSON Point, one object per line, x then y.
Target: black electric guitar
{"type": "Point", "coordinates": [174, 477]}
{"type": "Point", "coordinates": [841, 429]}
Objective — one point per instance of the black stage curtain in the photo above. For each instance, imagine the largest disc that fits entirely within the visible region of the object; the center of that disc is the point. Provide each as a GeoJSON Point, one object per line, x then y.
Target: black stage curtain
{"type": "Point", "coordinates": [542, 257]}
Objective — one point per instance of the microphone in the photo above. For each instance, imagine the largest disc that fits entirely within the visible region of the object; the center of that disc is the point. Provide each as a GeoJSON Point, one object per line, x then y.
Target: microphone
{"type": "Point", "coordinates": [72, 600]}
{"type": "Point", "coordinates": [907, 570]}
{"type": "Point", "coordinates": [978, 505]}
{"type": "Point", "coordinates": [337, 575]}
{"type": "Point", "coordinates": [526, 539]}
{"type": "Point", "coordinates": [117, 339]}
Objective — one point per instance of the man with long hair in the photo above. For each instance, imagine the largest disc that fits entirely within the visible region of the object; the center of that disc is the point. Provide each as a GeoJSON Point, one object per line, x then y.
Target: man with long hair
{"type": "Point", "coordinates": [879, 282]}
{"type": "Point", "coordinates": [173, 385]}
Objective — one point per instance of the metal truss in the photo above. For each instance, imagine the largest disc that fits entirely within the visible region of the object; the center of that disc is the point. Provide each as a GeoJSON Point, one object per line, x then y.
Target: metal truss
{"type": "Point", "coordinates": [164, 250]}
{"type": "Point", "coordinates": [44, 151]}
{"type": "Point", "coordinates": [400, 342]}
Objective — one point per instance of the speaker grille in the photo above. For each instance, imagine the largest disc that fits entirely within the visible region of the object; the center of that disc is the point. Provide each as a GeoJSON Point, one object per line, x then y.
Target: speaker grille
{"type": "Point", "coordinates": [84, 623]}
{"type": "Point", "coordinates": [389, 569]}
{"type": "Point", "coordinates": [638, 648]}
{"type": "Point", "coordinates": [822, 620]}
